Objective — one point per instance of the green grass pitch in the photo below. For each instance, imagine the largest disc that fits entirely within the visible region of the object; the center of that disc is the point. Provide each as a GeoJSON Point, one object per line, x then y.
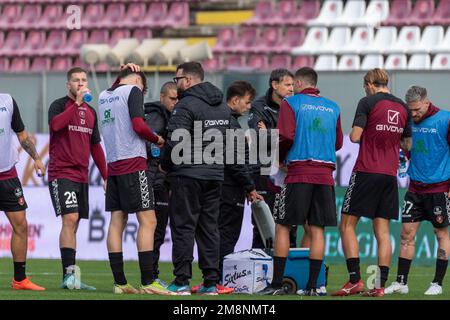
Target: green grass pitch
{"type": "Point", "coordinates": [47, 273]}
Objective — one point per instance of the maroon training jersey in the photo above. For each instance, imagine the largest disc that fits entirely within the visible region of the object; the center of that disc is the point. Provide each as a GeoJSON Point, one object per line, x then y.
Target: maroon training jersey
{"type": "Point", "coordinates": [72, 131]}
{"type": "Point", "coordinates": [385, 119]}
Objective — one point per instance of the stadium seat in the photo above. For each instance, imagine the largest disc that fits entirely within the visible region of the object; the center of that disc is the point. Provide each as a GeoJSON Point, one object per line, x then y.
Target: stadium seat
{"type": "Point", "coordinates": [92, 15]}
{"type": "Point", "coordinates": [285, 14]}
{"type": "Point", "coordinates": [326, 63]}
{"type": "Point", "coordinates": [134, 15]}
{"type": "Point", "coordinates": [422, 13]}
{"type": "Point", "coordinates": [408, 39]}
{"type": "Point", "coordinates": [19, 65]}
{"type": "Point", "coordinates": [353, 12]}
{"type": "Point", "coordinates": [372, 61]}
{"type": "Point", "coordinates": [294, 37]}
{"type": "Point", "coordinates": [315, 38]}
{"type": "Point", "coordinates": [40, 64]}
{"type": "Point", "coordinates": [331, 10]}
{"type": "Point", "coordinates": [114, 13]}
{"type": "Point", "coordinates": [349, 62]}
{"type": "Point", "coordinates": [33, 43]}
{"type": "Point", "coordinates": [13, 42]}
{"type": "Point", "coordinates": [142, 34]}
{"type": "Point", "coordinates": [75, 40]}
{"type": "Point", "coordinates": [442, 13]}
{"type": "Point", "coordinates": [362, 37]}
{"type": "Point", "coordinates": [271, 40]}
{"type": "Point", "coordinates": [444, 47]}
{"type": "Point", "coordinates": [309, 10]}
{"type": "Point", "coordinates": [225, 40]}
{"type": "Point", "coordinates": [280, 61]}
{"type": "Point", "coordinates": [156, 13]}
{"type": "Point", "coordinates": [339, 38]}
{"type": "Point", "coordinates": [419, 61]}
{"type": "Point", "coordinates": [234, 62]}
{"type": "Point", "coordinates": [247, 40]}
{"type": "Point", "coordinates": [30, 16]}
{"type": "Point", "coordinates": [386, 37]}
{"type": "Point", "coordinates": [214, 64]}
{"type": "Point", "coordinates": [56, 41]}
{"type": "Point", "coordinates": [432, 38]}
{"type": "Point", "coordinates": [262, 13]}
{"type": "Point", "coordinates": [258, 62]}
{"type": "Point", "coordinates": [396, 62]}
{"type": "Point", "coordinates": [441, 62]}
{"type": "Point", "coordinates": [377, 12]}
{"type": "Point", "coordinates": [118, 34]}
{"type": "Point", "coordinates": [4, 64]}
{"type": "Point", "coordinates": [98, 36]}
{"type": "Point", "coordinates": [52, 18]}
{"type": "Point", "coordinates": [178, 15]}
{"type": "Point", "coordinates": [61, 64]}
{"type": "Point", "coordinates": [302, 61]}
{"type": "Point", "coordinates": [399, 13]}
{"type": "Point", "coordinates": [9, 15]}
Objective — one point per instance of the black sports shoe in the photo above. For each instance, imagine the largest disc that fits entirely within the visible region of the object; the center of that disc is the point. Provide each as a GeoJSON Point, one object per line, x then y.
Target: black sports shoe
{"type": "Point", "coordinates": [271, 291]}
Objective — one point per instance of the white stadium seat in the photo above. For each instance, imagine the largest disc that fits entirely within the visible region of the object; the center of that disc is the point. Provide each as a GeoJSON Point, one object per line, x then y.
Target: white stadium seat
{"type": "Point", "coordinates": [331, 10]}
{"type": "Point", "coordinates": [326, 63]}
{"type": "Point", "coordinates": [362, 37]}
{"type": "Point", "coordinates": [419, 61]}
{"type": "Point", "coordinates": [385, 38]}
{"type": "Point", "coordinates": [441, 62]}
{"type": "Point", "coordinates": [396, 62]}
{"type": "Point", "coordinates": [353, 12]}
{"type": "Point", "coordinates": [377, 12]}
{"type": "Point", "coordinates": [315, 39]}
{"type": "Point", "coordinates": [408, 39]}
{"type": "Point", "coordinates": [372, 61]}
{"type": "Point", "coordinates": [339, 38]}
{"type": "Point", "coordinates": [432, 38]}
{"type": "Point", "coordinates": [349, 62]}
{"type": "Point", "coordinates": [444, 47]}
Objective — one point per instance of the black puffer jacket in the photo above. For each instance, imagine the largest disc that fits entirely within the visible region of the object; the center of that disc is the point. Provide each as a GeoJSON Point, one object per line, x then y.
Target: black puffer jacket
{"type": "Point", "coordinates": [266, 110]}
{"type": "Point", "coordinates": [157, 118]}
{"type": "Point", "coordinates": [200, 105]}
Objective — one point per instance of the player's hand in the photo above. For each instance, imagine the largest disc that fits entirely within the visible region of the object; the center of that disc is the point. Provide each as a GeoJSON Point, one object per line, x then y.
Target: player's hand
{"type": "Point", "coordinates": [39, 168]}
{"type": "Point", "coordinates": [132, 66]}
{"type": "Point", "coordinates": [161, 169]}
{"type": "Point", "coordinates": [253, 196]}
{"type": "Point", "coordinates": [79, 97]}
{"type": "Point", "coordinates": [262, 125]}
{"type": "Point", "coordinates": [160, 142]}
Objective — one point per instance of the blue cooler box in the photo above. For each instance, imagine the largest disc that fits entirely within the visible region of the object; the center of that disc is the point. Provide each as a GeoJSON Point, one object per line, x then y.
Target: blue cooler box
{"type": "Point", "coordinates": [296, 272]}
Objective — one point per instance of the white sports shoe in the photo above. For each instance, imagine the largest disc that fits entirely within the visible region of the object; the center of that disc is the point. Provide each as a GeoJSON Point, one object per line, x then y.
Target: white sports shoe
{"type": "Point", "coordinates": [397, 287]}
{"type": "Point", "coordinates": [434, 290]}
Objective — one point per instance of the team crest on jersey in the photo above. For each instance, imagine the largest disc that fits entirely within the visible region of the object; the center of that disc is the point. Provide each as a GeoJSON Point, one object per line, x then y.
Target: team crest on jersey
{"type": "Point", "coordinates": [18, 192]}
{"type": "Point", "coordinates": [437, 211]}
{"type": "Point", "coordinates": [82, 114]}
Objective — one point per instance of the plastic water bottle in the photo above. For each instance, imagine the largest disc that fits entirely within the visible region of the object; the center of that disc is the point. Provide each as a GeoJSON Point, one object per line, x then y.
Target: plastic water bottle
{"type": "Point", "coordinates": [402, 167]}
{"type": "Point", "coordinates": [87, 97]}
{"type": "Point", "coordinates": [155, 151]}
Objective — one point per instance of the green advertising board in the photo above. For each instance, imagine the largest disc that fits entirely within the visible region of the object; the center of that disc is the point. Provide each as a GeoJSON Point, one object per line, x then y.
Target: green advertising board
{"type": "Point", "coordinates": [426, 245]}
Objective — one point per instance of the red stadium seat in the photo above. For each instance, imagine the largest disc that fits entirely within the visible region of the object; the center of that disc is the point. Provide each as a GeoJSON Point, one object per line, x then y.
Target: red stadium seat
{"type": "Point", "coordinates": [399, 14]}
{"type": "Point", "coordinates": [33, 43]}
{"type": "Point", "coordinates": [258, 62]}
{"type": "Point", "coordinates": [40, 64]}
{"type": "Point", "coordinates": [442, 13]}
{"type": "Point", "coordinates": [118, 34]}
{"type": "Point", "coordinates": [135, 14]}
{"type": "Point", "coordinates": [178, 15]}
{"type": "Point", "coordinates": [99, 36]}
{"type": "Point", "coordinates": [233, 61]}
{"type": "Point", "coordinates": [13, 42]}
{"type": "Point", "coordinates": [52, 17]}
{"type": "Point", "coordinates": [10, 14]}
{"type": "Point", "coordinates": [280, 61]}
{"type": "Point", "coordinates": [156, 13]}
{"type": "Point", "coordinates": [262, 13]}
{"type": "Point", "coordinates": [271, 40]}
{"type": "Point", "coordinates": [309, 10]}
{"type": "Point", "coordinates": [61, 64]}
{"type": "Point", "coordinates": [214, 64]}
{"type": "Point", "coordinates": [92, 15]}
{"type": "Point", "coordinates": [75, 40]}
{"type": "Point", "coordinates": [30, 17]}
{"type": "Point", "coordinates": [248, 39]}
{"type": "Point", "coordinates": [142, 34]}
{"type": "Point", "coordinates": [4, 64]}
{"type": "Point", "coordinates": [56, 41]}
{"type": "Point", "coordinates": [226, 39]}
{"type": "Point", "coordinates": [294, 37]}
{"type": "Point", "coordinates": [19, 65]}
{"type": "Point", "coordinates": [302, 61]}
{"type": "Point", "coordinates": [287, 11]}
{"type": "Point", "coordinates": [422, 14]}
{"type": "Point", "coordinates": [115, 13]}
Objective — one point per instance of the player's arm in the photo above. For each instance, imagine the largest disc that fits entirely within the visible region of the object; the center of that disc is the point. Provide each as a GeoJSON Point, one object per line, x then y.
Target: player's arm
{"type": "Point", "coordinates": [339, 135]}
{"type": "Point", "coordinates": [97, 151]}
{"type": "Point", "coordinates": [286, 125]}
{"type": "Point", "coordinates": [360, 121]}
{"type": "Point", "coordinates": [25, 140]}
{"type": "Point", "coordinates": [58, 118]}
{"type": "Point", "coordinates": [136, 111]}
{"type": "Point", "coordinates": [406, 141]}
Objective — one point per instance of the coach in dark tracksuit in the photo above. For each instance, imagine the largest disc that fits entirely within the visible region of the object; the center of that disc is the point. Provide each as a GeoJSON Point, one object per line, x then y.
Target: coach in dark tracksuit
{"type": "Point", "coordinates": [263, 115]}
{"type": "Point", "coordinates": [238, 179]}
{"type": "Point", "coordinates": [157, 116]}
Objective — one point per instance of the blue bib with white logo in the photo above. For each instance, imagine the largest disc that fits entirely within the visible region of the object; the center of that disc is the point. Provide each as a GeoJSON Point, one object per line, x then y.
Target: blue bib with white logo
{"type": "Point", "coordinates": [430, 153]}
{"type": "Point", "coordinates": [315, 133]}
